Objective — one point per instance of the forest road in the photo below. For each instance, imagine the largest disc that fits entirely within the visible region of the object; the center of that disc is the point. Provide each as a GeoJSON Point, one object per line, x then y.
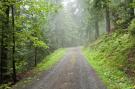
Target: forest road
{"type": "Point", "coordinates": [72, 72]}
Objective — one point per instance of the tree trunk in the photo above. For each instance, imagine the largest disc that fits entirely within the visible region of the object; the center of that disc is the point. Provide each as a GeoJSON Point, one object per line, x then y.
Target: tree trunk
{"type": "Point", "coordinates": [4, 45]}
{"type": "Point", "coordinates": [131, 11]}
{"type": "Point", "coordinates": [107, 19]}
{"type": "Point", "coordinates": [35, 56]}
{"type": "Point", "coordinates": [96, 28]}
{"type": "Point", "coordinates": [13, 55]}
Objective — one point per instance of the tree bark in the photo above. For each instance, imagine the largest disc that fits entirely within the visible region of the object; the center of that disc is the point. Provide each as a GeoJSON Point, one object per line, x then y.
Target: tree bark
{"type": "Point", "coordinates": [35, 56]}
{"type": "Point", "coordinates": [107, 12]}
{"type": "Point", "coordinates": [13, 55]}
{"type": "Point", "coordinates": [96, 28]}
{"type": "Point", "coordinates": [4, 46]}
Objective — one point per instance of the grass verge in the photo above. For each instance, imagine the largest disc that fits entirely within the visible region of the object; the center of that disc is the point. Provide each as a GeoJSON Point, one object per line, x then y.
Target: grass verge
{"type": "Point", "coordinates": [51, 60]}
{"type": "Point", "coordinates": [111, 57]}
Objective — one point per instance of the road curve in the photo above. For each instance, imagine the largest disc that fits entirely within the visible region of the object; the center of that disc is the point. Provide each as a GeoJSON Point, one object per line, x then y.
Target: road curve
{"type": "Point", "coordinates": [72, 72]}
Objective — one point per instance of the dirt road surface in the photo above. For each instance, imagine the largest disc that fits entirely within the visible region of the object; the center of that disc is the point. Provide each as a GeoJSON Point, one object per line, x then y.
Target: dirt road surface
{"type": "Point", "coordinates": [72, 72]}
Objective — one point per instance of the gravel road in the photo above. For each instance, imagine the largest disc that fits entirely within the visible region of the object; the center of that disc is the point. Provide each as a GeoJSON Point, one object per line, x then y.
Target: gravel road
{"type": "Point", "coordinates": [72, 72]}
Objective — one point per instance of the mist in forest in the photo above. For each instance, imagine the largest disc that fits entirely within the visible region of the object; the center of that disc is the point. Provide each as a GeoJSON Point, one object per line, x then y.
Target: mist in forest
{"type": "Point", "coordinates": [68, 25]}
{"type": "Point", "coordinates": [36, 34]}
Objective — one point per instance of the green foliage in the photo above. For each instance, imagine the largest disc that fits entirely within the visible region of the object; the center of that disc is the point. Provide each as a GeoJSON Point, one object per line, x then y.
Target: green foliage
{"type": "Point", "coordinates": [21, 66]}
{"type": "Point", "coordinates": [120, 14]}
{"type": "Point", "coordinates": [47, 63]}
{"type": "Point", "coordinates": [30, 19]}
{"type": "Point", "coordinates": [132, 28]}
{"type": "Point", "coordinates": [117, 13]}
{"type": "Point", "coordinates": [111, 55]}
{"type": "Point", "coordinates": [5, 86]}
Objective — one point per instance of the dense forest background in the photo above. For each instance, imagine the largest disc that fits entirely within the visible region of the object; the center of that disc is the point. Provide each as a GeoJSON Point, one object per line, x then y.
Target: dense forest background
{"type": "Point", "coordinates": [23, 34]}
{"type": "Point", "coordinates": [29, 31]}
{"type": "Point", "coordinates": [109, 14]}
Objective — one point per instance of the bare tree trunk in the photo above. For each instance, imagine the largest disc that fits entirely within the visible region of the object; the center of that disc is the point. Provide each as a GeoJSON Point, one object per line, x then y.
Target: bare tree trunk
{"type": "Point", "coordinates": [35, 56]}
{"type": "Point", "coordinates": [1, 73]}
{"type": "Point", "coordinates": [108, 29]}
{"type": "Point", "coordinates": [96, 28]}
{"type": "Point", "coordinates": [4, 45]}
{"type": "Point", "coordinates": [13, 55]}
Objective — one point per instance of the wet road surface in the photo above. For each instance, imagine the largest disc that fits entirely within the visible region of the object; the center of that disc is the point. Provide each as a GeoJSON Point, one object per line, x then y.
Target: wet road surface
{"type": "Point", "coordinates": [72, 72]}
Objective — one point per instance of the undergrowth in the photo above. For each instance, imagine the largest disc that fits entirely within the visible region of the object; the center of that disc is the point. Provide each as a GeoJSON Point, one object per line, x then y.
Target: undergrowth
{"type": "Point", "coordinates": [113, 57]}
{"type": "Point", "coordinates": [34, 74]}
